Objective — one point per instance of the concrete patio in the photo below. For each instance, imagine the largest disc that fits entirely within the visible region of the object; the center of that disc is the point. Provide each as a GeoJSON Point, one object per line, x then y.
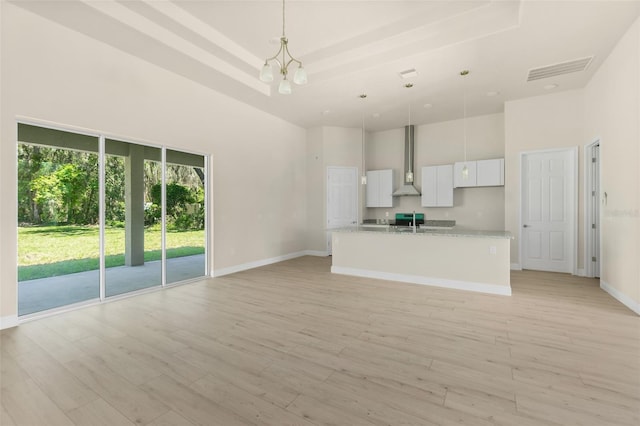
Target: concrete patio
{"type": "Point", "coordinates": [48, 293]}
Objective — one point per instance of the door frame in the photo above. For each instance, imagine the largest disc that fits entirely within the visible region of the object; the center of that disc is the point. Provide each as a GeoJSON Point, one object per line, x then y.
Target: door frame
{"type": "Point", "coordinates": [326, 202]}
{"type": "Point", "coordinates": [589, 203]}
{"type": "Point", "coordinates": [573, 196]}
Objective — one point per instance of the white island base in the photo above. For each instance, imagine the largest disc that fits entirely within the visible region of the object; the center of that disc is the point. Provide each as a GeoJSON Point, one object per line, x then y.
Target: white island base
{"type": "Point", "coordinates": [472, 260]}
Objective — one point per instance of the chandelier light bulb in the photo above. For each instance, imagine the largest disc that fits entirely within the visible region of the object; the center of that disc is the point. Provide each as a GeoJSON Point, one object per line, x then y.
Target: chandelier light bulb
{"type": "Point", "coordinates": [266, 74]}
{"type": "Point", "coordinates": [285, 87]}
{"type": "Point", "coordinates": [300, 76]}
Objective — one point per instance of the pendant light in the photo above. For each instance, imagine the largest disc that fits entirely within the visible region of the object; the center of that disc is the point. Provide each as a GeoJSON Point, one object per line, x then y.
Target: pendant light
{"type": "Point", "coordinates": [465, 169]}
{"type": "Point", "coordinates": [363, 178]}
{"type": "Point", "coordinates": [408, 177]}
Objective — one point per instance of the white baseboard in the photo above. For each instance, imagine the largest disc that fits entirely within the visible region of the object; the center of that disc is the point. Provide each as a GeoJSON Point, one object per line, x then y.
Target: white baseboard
{"type": "Point", "coordinates": [8, 321]}
{"type": "Point", "coordinates": [417, 279]}
{"type": "Point", "coordinates": [319, 253]}
{"type": "Point", "coordinates": [620, 297]}
{"type": "Point", "coordinates": [256, 264]}
{"type": "Point", "coordinates": [516, 267]}
{"type": "Point", "coordinates": [581, 272]}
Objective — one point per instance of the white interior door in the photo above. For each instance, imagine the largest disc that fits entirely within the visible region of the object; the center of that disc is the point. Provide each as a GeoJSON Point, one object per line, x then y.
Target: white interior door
{"type": "Point", "coordinates": [547, 210]}
{"type": "Point", "coordinates": [342, 198]}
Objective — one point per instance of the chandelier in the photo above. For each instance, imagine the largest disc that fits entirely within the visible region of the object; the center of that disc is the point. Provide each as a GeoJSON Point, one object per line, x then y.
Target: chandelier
{"type": "Point", "coordinates": [266, 74]}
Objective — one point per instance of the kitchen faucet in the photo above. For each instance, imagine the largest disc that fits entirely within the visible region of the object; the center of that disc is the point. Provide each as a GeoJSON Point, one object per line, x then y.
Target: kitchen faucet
{"type": "Point", "coordinates": [414, 222]}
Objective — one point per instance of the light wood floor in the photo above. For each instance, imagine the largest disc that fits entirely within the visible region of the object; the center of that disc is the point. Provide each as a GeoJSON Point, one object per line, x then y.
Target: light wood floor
{"type": "Point", "coordinates": [293, 344]}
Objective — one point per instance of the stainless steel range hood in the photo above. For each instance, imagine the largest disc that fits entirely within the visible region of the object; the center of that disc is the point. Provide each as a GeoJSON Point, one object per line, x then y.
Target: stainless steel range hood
{"type": "Point", "coordinates": [409, 170]}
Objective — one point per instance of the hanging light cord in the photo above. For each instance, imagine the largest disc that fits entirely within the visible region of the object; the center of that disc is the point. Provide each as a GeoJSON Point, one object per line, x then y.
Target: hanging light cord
{"type": "Point", "coordinates": [283, 67]}
{"type": "Point", "coordinates": [465, 169]}
{"type": "Point", "coordinates": [362, 141]}
{"type": "Point", "coordinates": [283, 18]}
{"type": "Point", "coordinates": [410, 153]}
{"type": "Point", "coordinates": [464, 112]}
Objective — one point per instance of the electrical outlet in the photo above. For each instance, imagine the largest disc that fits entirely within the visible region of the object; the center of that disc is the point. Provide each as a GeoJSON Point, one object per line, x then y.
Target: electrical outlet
{"type": "Point", "coordinates": [492, 250]}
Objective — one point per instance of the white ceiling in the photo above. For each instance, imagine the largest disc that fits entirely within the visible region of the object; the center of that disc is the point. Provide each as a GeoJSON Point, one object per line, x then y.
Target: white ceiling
{"type": "Point", "coordinates": [354, 47]}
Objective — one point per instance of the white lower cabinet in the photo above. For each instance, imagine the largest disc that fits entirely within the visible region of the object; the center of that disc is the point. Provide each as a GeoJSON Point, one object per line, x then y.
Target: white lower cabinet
{"type": "Point", "coordinates": [379, 188]}
{"type": "Point", "coordinates": [437, 186]}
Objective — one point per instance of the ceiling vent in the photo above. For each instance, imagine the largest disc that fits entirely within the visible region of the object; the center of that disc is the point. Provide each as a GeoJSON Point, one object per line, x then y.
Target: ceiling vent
{"type": "Point", "coordinates": [408, 73]}
{"type": "Point", "coordinates": [559, 69]}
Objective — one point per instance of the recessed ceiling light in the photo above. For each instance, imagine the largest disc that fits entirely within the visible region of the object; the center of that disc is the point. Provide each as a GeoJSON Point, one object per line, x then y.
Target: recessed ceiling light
{"type": "Point", "coordinates": [427, 106]}
{"type": "Point", "coordinates": [375, 115]}
{"type": "Point", "coordinates": [362, 96]}
{"type": "Point", "coordinates": [493, 93]}
{"type": "Point", "coordinates": [408, 73]}
{"type": "Point", "coordinates": [408, 85]}
{"type": "Point", "coordinates": [550, 86]}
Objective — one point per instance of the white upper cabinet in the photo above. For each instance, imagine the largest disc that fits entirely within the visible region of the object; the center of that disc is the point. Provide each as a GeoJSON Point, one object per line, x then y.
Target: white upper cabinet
{"type": "Point", "coordinates": [373, 188]}
{"type": "Point", "coordinates": [437, 186]}
{"type": "Point", "coordinates": [379, 188]}
{"type": "Point", "coordinates": [481, 173]}
{"type": "Point", "coordinates": [490, 172]}
{"type": "Point", "coordinates": [459, 178]}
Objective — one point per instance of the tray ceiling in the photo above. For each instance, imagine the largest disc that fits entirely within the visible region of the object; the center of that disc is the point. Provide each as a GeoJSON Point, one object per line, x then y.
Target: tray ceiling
{"type": "Point", "coordinates": [354, 47]}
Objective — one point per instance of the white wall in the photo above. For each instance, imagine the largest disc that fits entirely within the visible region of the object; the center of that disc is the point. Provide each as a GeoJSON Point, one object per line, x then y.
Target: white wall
{"type": "Point", "coordinates": [608, 109]}
{"type": "Point", "coordinates": [54, 74]}
{"type": "Point", "coordinates": [612, 114]}
{"type": "Point", "coordinates": [316, 198]}
{"type": "Point", "coordinates": [443, 143]}
{"type": "Point", "coordinates": [539, 123]}
{"type": "Point", "coordinates": [327, 146]}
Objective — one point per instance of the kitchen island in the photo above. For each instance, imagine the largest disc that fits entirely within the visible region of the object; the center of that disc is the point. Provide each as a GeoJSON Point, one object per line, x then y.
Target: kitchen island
{"type": "Point", "coordinates": [453, 258]}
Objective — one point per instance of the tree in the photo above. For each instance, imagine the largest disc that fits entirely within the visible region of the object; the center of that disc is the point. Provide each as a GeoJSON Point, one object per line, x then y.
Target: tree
{"type": "Point", "coordinates": [114, 190]}
{"type": "Point", "coordinates": [47, 197]}
{"type": "Point", "coordinates": [61, 185]}
{"type": "Point", "coordinates": [73, 186]}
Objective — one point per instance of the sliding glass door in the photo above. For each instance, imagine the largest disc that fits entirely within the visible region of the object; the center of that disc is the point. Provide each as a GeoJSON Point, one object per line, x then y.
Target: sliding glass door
{"type": "Point", "coordinates": [62, 177]}
{"type": "Point", "coordinates": [58, 233]}
{"type": "Point", "coordinates": [185, 216]}
{"type": "Point", "coordinates": [133, 209]}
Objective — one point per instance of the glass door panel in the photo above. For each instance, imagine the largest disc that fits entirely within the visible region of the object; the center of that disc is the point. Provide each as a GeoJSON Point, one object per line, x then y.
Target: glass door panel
{"type": "Point", "coordinates": [185, 216]}
{"type": "Point", "coordinates": [58, 214]}
{"type": "Point", "coordinates": [132, 217]}
{"type": "Point", "coordinates": [59, 188]}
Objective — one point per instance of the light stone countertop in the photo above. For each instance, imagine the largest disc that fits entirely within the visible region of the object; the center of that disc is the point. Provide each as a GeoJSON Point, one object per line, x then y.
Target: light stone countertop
{"type": "Point", "coordinates": [455, 232]}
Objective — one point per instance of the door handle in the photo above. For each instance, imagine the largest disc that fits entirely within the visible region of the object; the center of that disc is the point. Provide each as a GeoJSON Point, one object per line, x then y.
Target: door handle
{"type": "Point", "coordinates": [525, 226]}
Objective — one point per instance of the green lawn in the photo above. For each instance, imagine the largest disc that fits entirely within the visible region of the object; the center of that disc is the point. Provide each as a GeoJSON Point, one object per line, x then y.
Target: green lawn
{"type": "Point", "coordinates": [48, 251]}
